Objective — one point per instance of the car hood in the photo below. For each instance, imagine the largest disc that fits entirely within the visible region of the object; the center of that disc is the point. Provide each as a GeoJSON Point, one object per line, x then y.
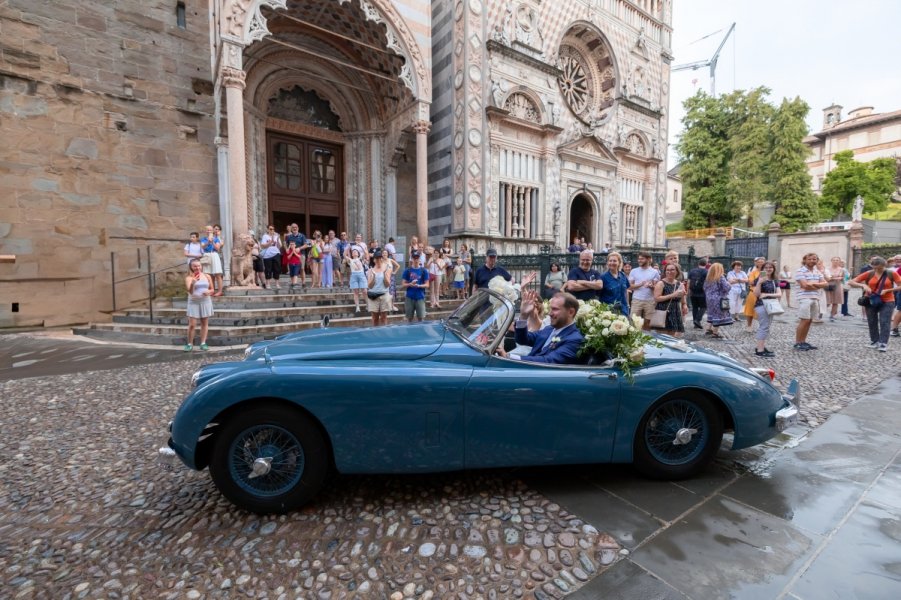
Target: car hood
{"type": "Point", "coordinates": [675, 350]}
{"type": "Point", "coordinates": [400, 342]}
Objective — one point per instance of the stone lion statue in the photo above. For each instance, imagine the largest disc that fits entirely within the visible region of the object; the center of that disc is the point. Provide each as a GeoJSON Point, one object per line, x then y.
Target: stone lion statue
{"type": "Point", "coordinates": [242, 261]}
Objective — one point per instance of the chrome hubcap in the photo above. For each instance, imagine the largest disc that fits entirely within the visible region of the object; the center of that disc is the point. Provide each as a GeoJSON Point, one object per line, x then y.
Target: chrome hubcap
{"type": "Point", "coordinates": [261, 466]}
{"type": "Point", "coordinates": [683, 436]}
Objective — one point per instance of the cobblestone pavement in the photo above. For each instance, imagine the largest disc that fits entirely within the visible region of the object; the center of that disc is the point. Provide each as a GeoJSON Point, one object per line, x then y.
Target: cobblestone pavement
{"type": "Point", "coordinates": [86, 513]}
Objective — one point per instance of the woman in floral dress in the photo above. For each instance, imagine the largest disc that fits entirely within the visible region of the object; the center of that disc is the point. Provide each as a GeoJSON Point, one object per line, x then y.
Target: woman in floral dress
{"type": "Point", "coordinates": [716, 288]}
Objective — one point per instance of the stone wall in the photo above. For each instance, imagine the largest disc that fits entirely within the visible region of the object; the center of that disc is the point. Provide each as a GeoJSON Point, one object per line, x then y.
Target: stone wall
{"type": "Point", "coordinates": [703, 247]}
{"type": "Point", "coordinates": [105, 109]}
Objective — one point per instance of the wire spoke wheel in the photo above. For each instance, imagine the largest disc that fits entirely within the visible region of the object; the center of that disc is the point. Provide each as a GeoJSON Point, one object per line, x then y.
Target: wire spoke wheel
{"type": "Point", "coordinates": [677, 437]}
{"type": "Point", "coordinates": [270, 459]}
{"type": "Point", "coordinates": [662, 432]}
{"type": "Point", "coordinates": [266, 442]}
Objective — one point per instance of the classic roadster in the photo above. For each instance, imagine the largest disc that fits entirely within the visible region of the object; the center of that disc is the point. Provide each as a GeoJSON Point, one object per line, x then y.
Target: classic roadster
{"type": "Point", "coordinates": [434, 397]}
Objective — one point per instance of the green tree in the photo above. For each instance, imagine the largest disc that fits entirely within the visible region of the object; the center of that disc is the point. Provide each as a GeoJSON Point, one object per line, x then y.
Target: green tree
{"type": "Point", "coordinates": [789, 180]}
{"type": "Point", "coordinates": [749, 144]}
{"type": "Point", "coordinates": [705, 155]}
{"type": "Point", "coordinates": [739, 151]}
{"type": "Point", "coordinates": [874, 181]}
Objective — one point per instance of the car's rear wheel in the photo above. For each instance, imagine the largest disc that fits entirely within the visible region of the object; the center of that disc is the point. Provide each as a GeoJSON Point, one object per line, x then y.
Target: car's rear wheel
{"type": "Point", "coordinates": [270, 459]}
{"type": "Point", "coordinates": [678, 436]}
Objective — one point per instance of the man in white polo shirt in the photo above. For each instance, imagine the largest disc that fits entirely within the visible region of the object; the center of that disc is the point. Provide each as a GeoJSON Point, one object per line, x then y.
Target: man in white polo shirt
{"type": "Point", "coordinates": [641, 282]}
{"type": "Point", "coordinates": [810, 281]}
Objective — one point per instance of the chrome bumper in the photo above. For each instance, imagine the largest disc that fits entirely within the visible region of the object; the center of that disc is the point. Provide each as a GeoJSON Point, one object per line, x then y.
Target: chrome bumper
{"type": "Point", "coordinates": [788, 416]}
{"type": "Point", "coordinates": [166, 458]}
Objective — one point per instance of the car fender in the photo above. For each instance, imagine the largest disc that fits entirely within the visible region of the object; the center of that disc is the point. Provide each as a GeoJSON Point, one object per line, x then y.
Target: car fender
{"type": "Point", "coordinates": [750, 402]}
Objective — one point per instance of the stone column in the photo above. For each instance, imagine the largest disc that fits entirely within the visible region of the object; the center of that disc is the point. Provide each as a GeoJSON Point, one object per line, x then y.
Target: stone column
{"type": "Point", "coordinates": [719, 244]}
{"type": "Point", "coordinates": [233, 81]}
{"type": "Point", "coordinates": [422, 179]}
{"type": "Point", "coordinates": [773, 246]}
{"type": "Point", "coordinates": [855, 247]}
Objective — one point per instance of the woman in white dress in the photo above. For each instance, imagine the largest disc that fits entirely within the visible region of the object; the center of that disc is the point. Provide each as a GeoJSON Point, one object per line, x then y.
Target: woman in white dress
{"type": "Point", "coordinates": [738, 282]}
{"type": "Point", "coordinates": [200, 304]}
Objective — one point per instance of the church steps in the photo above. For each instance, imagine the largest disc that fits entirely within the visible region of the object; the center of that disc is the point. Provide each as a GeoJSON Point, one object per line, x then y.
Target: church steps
{"type": "Point", "coordinates": [244, 316]}
{"type": "Point", "coordinates": [219, 335]}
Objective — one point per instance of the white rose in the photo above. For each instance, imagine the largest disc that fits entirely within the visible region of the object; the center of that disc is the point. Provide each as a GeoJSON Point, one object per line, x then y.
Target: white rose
{"type": "Point", "coordinates": [605, 332]}
{"type": "Point", "coordinates": [619, 327]}
{"type": "Point", "coordinates": [638, 321]}
{"type": "Point", "coordinates": [636, 355]}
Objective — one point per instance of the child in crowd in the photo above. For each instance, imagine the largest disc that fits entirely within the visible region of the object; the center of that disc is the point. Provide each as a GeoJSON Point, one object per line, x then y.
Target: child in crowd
{"type": "Point", "coordinates": [293, 259]}
{"type": "Point", "coordinates": [460, 278]}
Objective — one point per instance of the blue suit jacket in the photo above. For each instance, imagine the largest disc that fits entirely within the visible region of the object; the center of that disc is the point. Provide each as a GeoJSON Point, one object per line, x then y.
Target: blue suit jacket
{"type": "Point", "coordinates": [562, 352]}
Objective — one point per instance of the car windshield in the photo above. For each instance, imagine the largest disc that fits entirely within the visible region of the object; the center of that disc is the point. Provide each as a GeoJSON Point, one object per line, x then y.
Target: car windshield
{"type": "Point", "coordinates": [482, 319]}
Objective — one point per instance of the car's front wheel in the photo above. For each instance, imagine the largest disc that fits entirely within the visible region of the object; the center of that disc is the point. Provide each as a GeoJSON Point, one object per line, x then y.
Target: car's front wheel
{"type": "Point", "coordinates": [678, 436]}
{"type": "Point", "coordinates": [270, 459]}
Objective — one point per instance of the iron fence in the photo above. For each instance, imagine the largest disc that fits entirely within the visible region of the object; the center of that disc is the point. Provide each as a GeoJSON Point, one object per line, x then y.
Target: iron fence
{"type": "Point", "coordinates": [521, 265]}
{"type": "Point", "coordinates": [748, 246]}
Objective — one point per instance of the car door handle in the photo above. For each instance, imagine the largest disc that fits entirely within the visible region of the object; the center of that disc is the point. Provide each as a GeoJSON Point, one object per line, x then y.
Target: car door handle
{"type": "Point", "coordinates": [610, 376]}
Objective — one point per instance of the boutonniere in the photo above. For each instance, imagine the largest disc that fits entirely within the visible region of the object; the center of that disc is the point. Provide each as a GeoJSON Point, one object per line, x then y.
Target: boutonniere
{"type": "Point", "coordinates": [555, 340]}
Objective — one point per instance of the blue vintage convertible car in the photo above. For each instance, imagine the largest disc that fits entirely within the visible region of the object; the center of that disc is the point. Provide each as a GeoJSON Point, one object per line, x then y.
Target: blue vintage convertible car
{"type": "Point", "coordinates": [433, 397]}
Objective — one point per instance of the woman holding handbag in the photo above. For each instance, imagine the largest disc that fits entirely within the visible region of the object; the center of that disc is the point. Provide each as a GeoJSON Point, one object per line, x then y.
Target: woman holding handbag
{"type": "Point", "coordinates": [879, 286]}
{"type": "Point", "coordinates": [670, 294]}
{"type": "Point", "coordinates": [716, 292]}
{"type": "Point", "coordinates": [767, 292]}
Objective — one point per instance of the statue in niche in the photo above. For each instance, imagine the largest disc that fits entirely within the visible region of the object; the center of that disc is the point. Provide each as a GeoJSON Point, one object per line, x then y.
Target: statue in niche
{"type": "Point", "coordinates": [612, 220]}
{"type": "Point", "coordinates": [501, 33]}
{"type": "Point", "coordinates": [498, 91]}
{"type": "Point", "coordinates": [620, 135]}
{"type": "Point", "coordinates": [558, 210]}
{"type": "Point", "coordinates": [555, 114]}
{"type": "Point", "coordinates": [641, 42]}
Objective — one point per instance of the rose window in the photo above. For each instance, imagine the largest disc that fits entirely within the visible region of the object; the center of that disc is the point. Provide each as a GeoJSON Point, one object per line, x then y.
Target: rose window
{"type": "Point", "coordinates": [587, 76]}
{"type": "Point", "coordinates": [575, 83]}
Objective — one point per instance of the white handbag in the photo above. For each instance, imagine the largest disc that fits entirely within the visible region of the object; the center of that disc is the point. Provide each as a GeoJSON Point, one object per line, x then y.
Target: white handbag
{"type": "Point", "coordinates": [772, 306]}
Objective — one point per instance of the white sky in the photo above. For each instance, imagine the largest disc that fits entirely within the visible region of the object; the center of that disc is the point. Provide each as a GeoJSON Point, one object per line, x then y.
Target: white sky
{"type": "Point", "coordinates": [824, 51]}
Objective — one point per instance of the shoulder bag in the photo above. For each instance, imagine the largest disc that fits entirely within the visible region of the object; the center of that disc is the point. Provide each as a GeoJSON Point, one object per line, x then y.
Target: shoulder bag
{"type": "Point", "coordinates": [658, 319]}
{"type": "Point", "coordinates": [773, 306]}
{"type": "Point", "coordinates": [874, 300]}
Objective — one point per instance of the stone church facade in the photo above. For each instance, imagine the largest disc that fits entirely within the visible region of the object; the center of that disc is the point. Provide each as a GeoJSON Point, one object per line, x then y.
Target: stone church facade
{"type": "Point", "coordinates": [513, 123]}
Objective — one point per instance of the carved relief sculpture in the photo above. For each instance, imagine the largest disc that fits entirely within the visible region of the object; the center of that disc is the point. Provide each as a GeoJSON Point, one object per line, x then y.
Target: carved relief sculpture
{"type": "Point", "coordinates": [521, 107]}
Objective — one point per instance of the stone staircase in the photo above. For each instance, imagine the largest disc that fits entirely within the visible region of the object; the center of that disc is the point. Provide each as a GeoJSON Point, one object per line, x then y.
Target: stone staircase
{"type": "Point", "coordinates": [246, 315]}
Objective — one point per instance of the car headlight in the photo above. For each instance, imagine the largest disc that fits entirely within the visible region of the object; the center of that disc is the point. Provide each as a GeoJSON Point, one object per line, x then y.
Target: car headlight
{"type": "Point", "coordinates": [195, 378]}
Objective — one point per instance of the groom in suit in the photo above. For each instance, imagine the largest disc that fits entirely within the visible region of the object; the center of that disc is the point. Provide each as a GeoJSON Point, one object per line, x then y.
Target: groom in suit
{"type": "Point", "coordinates": [557, 344]}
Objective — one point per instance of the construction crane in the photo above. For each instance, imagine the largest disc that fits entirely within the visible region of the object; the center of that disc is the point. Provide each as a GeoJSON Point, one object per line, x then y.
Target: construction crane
{"type": "Point", "coordinates": [708, 63]}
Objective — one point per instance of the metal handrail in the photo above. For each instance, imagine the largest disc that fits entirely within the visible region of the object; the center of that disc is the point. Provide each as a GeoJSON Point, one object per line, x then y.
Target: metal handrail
{"type": "Point", "coordinates": [150, 275]}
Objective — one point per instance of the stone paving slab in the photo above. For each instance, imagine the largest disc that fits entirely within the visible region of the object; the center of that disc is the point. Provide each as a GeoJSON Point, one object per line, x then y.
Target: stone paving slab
{"type": "Point", "coordinates": [627, 581]}
{"type": "Point", "coordinates": [863, 560]}
{"type": "Point", "coordinates": [735, 544]}
{"type": "Point", "coordinates": [807, 497]}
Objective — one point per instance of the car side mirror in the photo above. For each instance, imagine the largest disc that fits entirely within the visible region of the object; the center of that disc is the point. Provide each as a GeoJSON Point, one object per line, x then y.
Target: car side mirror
{"type": "Point", "coordinates": [324, 322]}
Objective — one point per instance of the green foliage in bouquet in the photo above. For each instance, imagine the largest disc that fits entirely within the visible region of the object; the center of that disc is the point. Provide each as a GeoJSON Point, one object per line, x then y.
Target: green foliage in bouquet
{"type": "Point", "coordinates": [608, 331]}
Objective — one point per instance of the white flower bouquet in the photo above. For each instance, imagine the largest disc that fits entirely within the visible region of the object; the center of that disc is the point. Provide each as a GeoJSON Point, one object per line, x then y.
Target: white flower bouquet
{"type": "Point", "coordinates": [611, 334]}
{"type": "Point", "coordinates": [508, 290]}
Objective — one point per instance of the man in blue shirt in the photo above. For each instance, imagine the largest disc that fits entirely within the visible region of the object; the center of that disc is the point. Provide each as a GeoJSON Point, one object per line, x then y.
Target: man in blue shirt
{"type": "Point", "coordinates": [584, 282]}
{"type": "Point", "coordinates": [415, 281]}
{"type": "Point", "coordinates": [489, 271]}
